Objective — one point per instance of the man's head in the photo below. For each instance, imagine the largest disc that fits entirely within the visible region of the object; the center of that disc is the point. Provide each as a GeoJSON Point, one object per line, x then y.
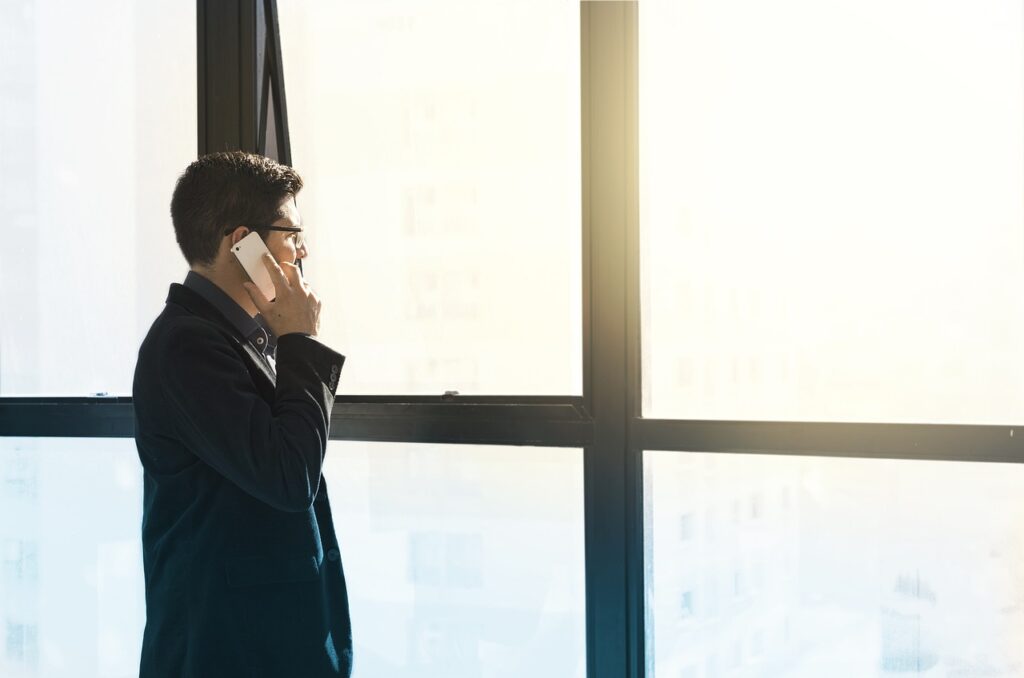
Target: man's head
{"type": "Point", "coordinates": [222, 196]}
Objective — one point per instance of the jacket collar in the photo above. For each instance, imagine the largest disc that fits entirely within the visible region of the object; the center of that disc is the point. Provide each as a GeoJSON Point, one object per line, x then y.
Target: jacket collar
{"type": "Point", "coordinates": [194, 302]}
{"type": "Point", "coordinates": [227, 306]}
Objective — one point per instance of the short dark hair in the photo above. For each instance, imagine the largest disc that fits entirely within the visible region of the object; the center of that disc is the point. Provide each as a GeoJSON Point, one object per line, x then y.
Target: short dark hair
{"type": "Point", "coordinates": [227, 189]}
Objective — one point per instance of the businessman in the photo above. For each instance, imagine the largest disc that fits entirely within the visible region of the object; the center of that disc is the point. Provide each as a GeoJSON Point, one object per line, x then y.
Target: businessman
{"type": "Point", "coordinates": [233, 396]}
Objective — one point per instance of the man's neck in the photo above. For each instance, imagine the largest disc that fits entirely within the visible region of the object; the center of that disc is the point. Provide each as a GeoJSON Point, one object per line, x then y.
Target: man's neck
{"type": "Point", "coordinates": [229, 283]}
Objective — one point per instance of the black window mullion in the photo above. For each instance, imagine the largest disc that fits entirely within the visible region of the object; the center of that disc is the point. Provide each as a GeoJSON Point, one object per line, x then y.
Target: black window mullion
{"type": "Point", "coordinates": [545, 421]}
{"type": "Point", "coordinates": [553, 421]}
{"type": "Point", "coordinates": [229, 67]}
{"type": "Point", "coordinates": [275, 62]}
{"type": "Point", "coordinates": [612, 468]}
{"type": "Point", "coordinates": [924, 442]}
{"type": "Point", "coordinates": [102, 417]}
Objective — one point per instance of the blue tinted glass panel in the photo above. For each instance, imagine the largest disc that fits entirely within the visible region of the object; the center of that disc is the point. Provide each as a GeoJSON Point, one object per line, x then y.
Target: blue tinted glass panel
{"type": "Point", "coordinates": [72, 601]}
{"type": "Point", "coordinates": [794, 567]}
{"type": "Point", "coordinates": [462, 560]}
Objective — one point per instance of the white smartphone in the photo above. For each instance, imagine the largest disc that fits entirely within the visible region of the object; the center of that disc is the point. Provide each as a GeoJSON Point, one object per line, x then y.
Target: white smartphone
{"type": "Point", "coordinates": [249, 252]}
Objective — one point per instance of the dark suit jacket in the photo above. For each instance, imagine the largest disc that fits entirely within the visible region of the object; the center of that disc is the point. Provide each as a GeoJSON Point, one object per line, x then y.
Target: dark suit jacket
{"type": "Point", "coordinates": [243, 570]}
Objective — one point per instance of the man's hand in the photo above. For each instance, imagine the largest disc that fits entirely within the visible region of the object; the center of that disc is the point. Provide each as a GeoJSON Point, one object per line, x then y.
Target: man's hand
{"type": "Point", "coordinates": [296, 308]}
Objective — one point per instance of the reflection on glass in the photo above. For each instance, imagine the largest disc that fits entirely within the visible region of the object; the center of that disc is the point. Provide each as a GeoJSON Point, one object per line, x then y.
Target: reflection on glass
{"type": "Point", "coordinates": [461, 560]}
{"type": "Point", "coordinates": [95, 126]}
{"type": "Point", "coordinates": [440, 144]}
{"type": "Point", "coordinates": [832, 209]}
{"type": "Point", "coordinates": [72, 598]}
{"type": "Point", "coordinates": [802, 567]}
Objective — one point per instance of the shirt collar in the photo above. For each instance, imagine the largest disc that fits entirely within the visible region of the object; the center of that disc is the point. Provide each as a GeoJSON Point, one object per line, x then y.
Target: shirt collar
{"type": "Point", "coordinates": [254, 330]}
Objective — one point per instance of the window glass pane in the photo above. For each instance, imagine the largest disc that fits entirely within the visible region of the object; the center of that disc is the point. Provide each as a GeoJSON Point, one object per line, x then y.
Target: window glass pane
{"type": "Point", "coordinates": [461, 560]}
{"type": "Point", "coordinates": [97, 119]}
{"type": "Point", "coordinates": [786, 567]}
{"type": "Point", "coordinates": [72, 595]}
{"type": "Point", "coordinates": [440, 144]}
{"type": "Point", "coordinates": [832, 201]}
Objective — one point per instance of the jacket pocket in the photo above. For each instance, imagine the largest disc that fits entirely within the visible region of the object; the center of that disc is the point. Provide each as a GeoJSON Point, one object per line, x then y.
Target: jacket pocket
{"type": "Point", "coordinates": [281, 612]}
{"type": "Point", "coordinates": [256, 570]}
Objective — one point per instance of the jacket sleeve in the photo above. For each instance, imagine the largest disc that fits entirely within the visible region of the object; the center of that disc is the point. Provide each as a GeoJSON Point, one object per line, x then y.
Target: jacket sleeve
{"type": "Point", "coordinates": [273, 451]}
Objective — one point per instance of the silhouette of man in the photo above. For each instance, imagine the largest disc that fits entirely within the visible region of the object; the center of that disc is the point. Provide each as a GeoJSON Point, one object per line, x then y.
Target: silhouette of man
{"type": "Point", "coordinates": [233, 395]}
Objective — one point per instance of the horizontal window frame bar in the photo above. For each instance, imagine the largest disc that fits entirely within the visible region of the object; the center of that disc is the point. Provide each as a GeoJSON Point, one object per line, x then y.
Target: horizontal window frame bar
{"type": "Point", "coordinates": [569, 409]}
{"type": "Point", "coordinates": [72, 417]}
{"type": "Point", "coordinates": [549, 421]}
{"type": "Point", "coordinates": [920, 442]}
{"type": "Point", "coordinates": [553, 421]}
{"type": "Point", "coordinates": [459, 431]}
{"type": "Point", "coordinates": [555, 401]}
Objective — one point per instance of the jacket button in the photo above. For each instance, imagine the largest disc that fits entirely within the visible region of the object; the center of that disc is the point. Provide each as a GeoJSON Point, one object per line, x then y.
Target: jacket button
{"type": "Point", "coordinates": [333, 555]}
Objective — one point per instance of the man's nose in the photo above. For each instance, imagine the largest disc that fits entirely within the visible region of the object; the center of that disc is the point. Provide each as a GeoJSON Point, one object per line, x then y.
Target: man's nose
{"type": "Point", "coordinates": [303, 251]}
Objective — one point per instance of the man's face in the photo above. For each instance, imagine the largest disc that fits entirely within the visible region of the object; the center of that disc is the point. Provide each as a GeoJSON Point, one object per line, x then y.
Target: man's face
{"type": "Point", "coordinates": [282, 243]}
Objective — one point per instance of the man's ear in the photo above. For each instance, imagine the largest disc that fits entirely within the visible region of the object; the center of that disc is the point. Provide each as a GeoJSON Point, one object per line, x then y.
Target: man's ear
{"type": "Point", "coordinates": [238, 234]}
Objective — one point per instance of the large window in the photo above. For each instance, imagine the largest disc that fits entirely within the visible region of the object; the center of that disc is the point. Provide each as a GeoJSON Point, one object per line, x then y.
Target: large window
{"type": "Point", "coordinates": [718, 237]}
{"type": "Point", "coordinates": [440, 143]}
{"type": "Point", "coordinates": [97, 119]}
{"type": "Point", "coordinates": [832, 209]}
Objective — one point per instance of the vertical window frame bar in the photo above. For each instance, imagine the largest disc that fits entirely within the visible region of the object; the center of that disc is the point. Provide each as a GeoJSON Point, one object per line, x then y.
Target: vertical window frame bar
{"type": "Point", "coordinates": [613, 465]}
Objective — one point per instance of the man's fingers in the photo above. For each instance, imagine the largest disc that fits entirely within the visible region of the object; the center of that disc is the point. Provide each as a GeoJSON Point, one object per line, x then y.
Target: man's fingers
{"type": "Point", "coordinates": [291, 271]}
{"type": "Point", "coordinates": [276, 273]}
{"type": "Point", "coordinates": [257, 296]}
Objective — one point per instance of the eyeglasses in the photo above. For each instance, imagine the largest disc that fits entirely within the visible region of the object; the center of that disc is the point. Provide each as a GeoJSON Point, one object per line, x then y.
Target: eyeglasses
{"type": "Point", "coordinates": [300, 238]}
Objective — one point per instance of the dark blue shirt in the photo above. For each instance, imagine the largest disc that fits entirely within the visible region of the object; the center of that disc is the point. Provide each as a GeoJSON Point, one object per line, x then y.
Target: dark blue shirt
{"type": "Point", "coordinates": [255, 330]}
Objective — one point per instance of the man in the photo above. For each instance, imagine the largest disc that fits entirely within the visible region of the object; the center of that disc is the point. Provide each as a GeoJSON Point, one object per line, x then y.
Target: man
{"type": "Point", "coordinates": [242, 565]}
